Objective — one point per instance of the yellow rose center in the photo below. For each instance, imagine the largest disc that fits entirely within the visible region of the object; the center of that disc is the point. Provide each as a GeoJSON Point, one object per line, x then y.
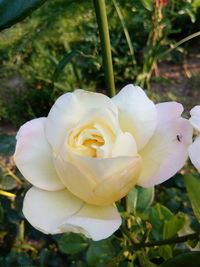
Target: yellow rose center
{"type": "Point", "coordinates": [85, 141]}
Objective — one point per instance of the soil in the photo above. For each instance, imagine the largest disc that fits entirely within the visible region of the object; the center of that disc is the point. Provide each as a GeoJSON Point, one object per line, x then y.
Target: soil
{"type": "Point", "coordinates": [181, 82]}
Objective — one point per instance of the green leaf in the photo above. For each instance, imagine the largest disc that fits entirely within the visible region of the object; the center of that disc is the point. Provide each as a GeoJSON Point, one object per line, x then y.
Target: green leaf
{"type": "Point", "coordinates": [72, 243]}
{"type": "Point", "coordinates": [192, 184]}
{"type": "Point", "coordinates": [61, 65]}
{"type": "Point", "coordinates": [139, 199]}
{"type": "Point", "coordinates": [191, 259]}
{"type": "Point", "coordinates": [148, 4]}
{"type": "Point", "coordinates": [158, 214]}
{"type": "Point", "coordinates": [145, 198]}
{"type": "Point", "coordinates": [13, 11]}
{"type": "Point", "coordinates": [193, 243]}
{"type": "Point", "coordinates": [7, 182]}
{"type": "Point", "coordinates": [132, 199]}
{"type": "Point", "coordinates": [172, 226]}
{"type": "Point", "coordinates": [100, 252]}
{"type": "Point", "coordinates": [165, 252]}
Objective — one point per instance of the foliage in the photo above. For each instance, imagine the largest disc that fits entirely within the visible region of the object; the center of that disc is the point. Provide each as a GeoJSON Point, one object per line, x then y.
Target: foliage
{"type": "Point", "coordinates": [59, 27]}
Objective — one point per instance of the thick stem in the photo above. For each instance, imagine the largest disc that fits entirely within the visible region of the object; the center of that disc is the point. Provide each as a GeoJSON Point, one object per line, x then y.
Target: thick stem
{"type": "Point", "coordinates": [100, 10]}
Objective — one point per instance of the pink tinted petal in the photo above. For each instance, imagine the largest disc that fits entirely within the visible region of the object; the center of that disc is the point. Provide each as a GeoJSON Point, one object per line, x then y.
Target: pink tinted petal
{"type": "Point", "coordinates": [33, 156]}
{"type": "Point", "coordinates": [194, 153]}
{"type": "Point", "coordinates": [195, 117]}
{"type": "Point", "coordinates": [167, 150]}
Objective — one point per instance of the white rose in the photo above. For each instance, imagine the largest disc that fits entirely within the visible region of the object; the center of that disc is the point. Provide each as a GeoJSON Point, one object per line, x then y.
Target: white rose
{"type": "Point", "coordinates": [194, 148]}
{"type": "Point", "coordinates": [90, 151]}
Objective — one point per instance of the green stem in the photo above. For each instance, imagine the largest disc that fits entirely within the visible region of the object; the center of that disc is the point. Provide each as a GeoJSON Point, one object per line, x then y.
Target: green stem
{"type": "Point", "coordinates": [7, 194]}
{"type": "Point", "coordinates": [169, 241]}
{"type": "Point", "coordinates": [126, 33]}
{"type": "Point", "coordinates": [191, 36]}
{"type": "Point", "coordinates": [9, 172]}
{"type": "Point", "coordinates": [100, 10]}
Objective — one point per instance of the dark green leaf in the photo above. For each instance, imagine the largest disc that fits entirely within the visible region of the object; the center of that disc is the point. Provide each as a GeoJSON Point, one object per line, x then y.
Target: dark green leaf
{"type": "Point", "coordinates": [1, 214]}
{"type": "Point", "coordinates": [192, 184]}
{"type": "Point", "coordinates": [100, 252]}
{"type": "Point", "coordinates": [44, 254]}
{"type": "Point", "coordinates": [193, 243]}
{"type": "Point", "coordinates": [13, 11]}
{"type": "Point", "coordinates": [191, 259]}
{"type": "Point", "coordinates": [158, 214]}
{"type": "Point", "coordinates": [23, 259]}
{"type": "Point", "coordinates": [13, 217]}
{"type": "Point", "coordinates": [61, 65]}
{"type": "Point", "coordinates": [7, 144]}
{"type": "Point", "coordinates": [72, 243]}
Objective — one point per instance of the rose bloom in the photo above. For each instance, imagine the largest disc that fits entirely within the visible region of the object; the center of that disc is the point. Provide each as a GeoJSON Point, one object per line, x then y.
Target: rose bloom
{"type": "Point", "coordinates": [90, 151]}
{"type": "Point", "coordinates": [194, 148]}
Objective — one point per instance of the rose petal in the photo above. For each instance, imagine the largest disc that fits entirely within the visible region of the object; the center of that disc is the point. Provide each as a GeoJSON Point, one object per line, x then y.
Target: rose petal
{"type": "Point", "coordinates": [167, 151]}
{"type": "Point", "coordinates": [60, 211]}
{"type": "Point", "coordinates": [33, 156]}
{"type": "Point", "coordinates": [68, 110]}
{"type": "Point", "coordinates": [98, 181]}
{"type": "Point", "coordinates": [137, 114]}
{"type": "Point", "coordinates": [124, 145]}
{"type": "Point", "coordinates": [195, 117]}
{"type": "Point", "coordinates": [98, 222]}
{"type": "Point", "coordinates": [194, 153]}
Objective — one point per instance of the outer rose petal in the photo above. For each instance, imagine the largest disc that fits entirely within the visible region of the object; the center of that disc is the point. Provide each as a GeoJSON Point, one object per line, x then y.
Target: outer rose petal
{"type": "Point", "coordinates": [58, 212]}
{"type": "Point", "coordinates": [137, 114]}
{"type": "Point", "coordinates": [194, 153]}
{"type": "Point", "coordinates": [167, 151]}
{"type": "Point", "coordinates": [33, 156]}
{"type": "Point", "coordinates": [99, 181]}
{"type": "Point", "coordinates": [69, 109]}
{"type": "Point", "coordinates": [195, 117]}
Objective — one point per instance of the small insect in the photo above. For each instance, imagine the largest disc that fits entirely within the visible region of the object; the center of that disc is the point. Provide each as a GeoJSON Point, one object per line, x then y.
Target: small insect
{"type": "Point", "coordinates": [179, 138]}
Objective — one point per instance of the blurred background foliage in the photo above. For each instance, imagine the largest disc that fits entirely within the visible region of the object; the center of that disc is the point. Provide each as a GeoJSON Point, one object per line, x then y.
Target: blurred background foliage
{"type": "Point", "coordinates": [56, 50]}
{"type": "Point", "coordinates": [31, 50]}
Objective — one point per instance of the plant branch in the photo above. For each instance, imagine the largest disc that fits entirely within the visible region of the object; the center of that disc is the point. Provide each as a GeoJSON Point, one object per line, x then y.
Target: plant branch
{"type": "Point", "coordinates": [100, 10]}
{"type": "Point", "coordinates": [169, 241]}
{"type": "Point", "coordinates": [9, 172]}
